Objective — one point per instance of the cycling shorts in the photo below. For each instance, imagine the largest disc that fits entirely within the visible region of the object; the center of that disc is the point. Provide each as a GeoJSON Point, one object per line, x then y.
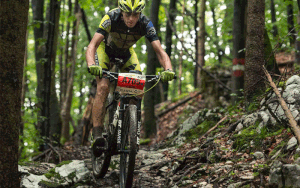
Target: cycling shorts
{"type": "Point", "coordinates": [129, 58]}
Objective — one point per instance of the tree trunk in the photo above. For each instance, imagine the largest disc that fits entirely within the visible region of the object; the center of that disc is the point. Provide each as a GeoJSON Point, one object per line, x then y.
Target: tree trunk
{"type": "Point", "coordinates": [55, 119]}
{"type": "Point", "coordinates": [61, 56]}
{"type": "Point", "coordinates": [238, 48]}
{"type": "Point", "coordinates": [181, 50]}
{"type": "Point", "coordinates": [38, 19]}
{"type": "Point", "coordinates": [201, 40]}
{"type": "Point", "coordinates": [14, 18]}
{"type": "Point", "coordinates": [297, 45]}
{"type": "Point", "coordinates": [273, 14]}
{"type": "Point", "coordinates": [86, 123]}
{"type": "Point", "coordinates": [86, 25]}
{"type": "Point", "coordinates": [149, 101]}
{"type": "Point", "coordinates": [83, 128]}
{"type": "Point", "coordinates": [220, 52]}
{"type": "Point", "coordinates": [172, 12]}
{"type": "Point", "coordinates": [63, 87]}
{"type": "Point", "coordinates": [66, 108]}
{"type": "Point", "coordinates": [46, 94]}
{"type": "Point", "coordinates": [270, 61]}
{"type": "Point", "coordinates": [290, 21]}
{"type": "Point", "coordinates": [254, 74]}
{"type": "Point", "coordinates": [196, 42]}
{"type": "Point", "coordinates": [24, 90]}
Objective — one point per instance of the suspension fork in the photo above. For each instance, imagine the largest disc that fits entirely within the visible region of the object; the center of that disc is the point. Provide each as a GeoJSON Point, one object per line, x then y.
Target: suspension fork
{"type": "Point", "coordinates": [120, 122]}
{"type": "Point", "coordinates": [138, 132]}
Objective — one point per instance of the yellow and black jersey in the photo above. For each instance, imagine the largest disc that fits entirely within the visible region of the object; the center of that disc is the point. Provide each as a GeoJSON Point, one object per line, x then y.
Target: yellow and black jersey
{"type": "Point", "coordinates": [118, 37]}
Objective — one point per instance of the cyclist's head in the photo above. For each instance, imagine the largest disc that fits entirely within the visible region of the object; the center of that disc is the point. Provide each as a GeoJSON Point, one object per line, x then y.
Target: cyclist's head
{"type": "Point", "coordinates": [134, 6]}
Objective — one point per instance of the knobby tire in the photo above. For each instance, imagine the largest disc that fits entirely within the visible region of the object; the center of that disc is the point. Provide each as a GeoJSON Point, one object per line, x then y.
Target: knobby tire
{"type": "Point", "coordinates": [128, 142]}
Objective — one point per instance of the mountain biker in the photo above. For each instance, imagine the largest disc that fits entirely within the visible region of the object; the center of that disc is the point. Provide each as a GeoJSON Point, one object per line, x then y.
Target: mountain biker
{"type": "Point", "coordinates": [118, 31]}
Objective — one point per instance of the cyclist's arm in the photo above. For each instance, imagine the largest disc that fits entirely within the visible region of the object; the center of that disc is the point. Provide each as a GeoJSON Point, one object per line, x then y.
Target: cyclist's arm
{"type": "Point", "coordinates": [92, 47]}
{"type": "Point", "coordinates": [162, 56]}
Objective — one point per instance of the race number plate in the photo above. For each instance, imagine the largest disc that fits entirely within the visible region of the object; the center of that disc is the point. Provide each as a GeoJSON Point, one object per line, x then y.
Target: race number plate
{"type": "Point", "coordinates": [130, 83]}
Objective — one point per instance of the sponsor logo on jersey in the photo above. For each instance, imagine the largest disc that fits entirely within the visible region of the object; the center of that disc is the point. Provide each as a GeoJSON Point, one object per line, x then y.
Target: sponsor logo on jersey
{"type": "Point", "coordinates": [106, 24]}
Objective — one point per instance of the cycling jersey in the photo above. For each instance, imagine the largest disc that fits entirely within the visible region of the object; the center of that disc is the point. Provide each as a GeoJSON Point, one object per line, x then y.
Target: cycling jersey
{"type": "Point", "coordinates": [119, 39]}
{"type": "Point", "coordinates": [118, 36]}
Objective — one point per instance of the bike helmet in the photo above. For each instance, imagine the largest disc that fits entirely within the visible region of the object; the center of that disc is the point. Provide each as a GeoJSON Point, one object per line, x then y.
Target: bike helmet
{"type": "Point", "coordinates": [132, 5]}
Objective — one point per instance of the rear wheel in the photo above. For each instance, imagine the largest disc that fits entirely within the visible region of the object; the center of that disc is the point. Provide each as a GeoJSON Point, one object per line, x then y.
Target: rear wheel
{"type": "Point", "coordinates": [128, 146]}
{"type": "Point", "coordinates": [100, 164]}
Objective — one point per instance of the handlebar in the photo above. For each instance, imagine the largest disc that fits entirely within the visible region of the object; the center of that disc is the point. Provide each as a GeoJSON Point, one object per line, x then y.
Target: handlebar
{"type": "Point", "coordinates": [150, 78]}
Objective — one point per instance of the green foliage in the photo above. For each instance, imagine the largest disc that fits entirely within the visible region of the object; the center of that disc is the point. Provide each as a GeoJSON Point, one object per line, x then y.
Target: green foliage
{"type": "Point", "coordinates": [199, 130]}
{"type": "Point", "coordinates": [180, 97]}
{"type": "Point", "coordinates": [113, 164]}
{"type": "Point", "coordinates": [253, 106]}
{"type": "Point", "coordinates": [277, 148]}
{"type": "Point", "coordinates": [63, 163]}
{"type": "Point", "coordinates": [251, 139]}
{"type": "Point", "coordinates": [72, 175]}
{"type": "Point", "coordinates": [145, 141]}
{"type": "Point", "coordinates": [49, 184]}
{"type": "Point", "coordinates": [51, 173]}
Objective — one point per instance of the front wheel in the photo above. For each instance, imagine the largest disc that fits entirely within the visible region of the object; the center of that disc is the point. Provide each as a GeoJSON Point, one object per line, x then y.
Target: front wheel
{"type": "Point", "coordinates": [128, 147]}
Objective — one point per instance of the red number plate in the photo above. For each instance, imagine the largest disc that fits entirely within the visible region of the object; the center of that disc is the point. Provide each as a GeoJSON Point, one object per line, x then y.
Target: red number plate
{"type": "Point", "coordinates": [129, 83]}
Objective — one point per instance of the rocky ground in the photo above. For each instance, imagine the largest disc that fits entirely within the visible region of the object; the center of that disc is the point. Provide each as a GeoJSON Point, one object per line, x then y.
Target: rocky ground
{"type": "Point", "coordinates": [210, 148]}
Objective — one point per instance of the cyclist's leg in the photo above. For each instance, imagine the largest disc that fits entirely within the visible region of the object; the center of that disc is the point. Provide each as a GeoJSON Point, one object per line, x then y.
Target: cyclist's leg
{"type": "Point", "coordinates": [98, 111]}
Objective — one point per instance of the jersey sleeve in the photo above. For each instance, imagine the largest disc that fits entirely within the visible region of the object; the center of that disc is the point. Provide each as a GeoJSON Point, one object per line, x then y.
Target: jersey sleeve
{"type": "Point", "coordinates": [105, 25]}
{"type": "Point", "coordinates": [151, 34]}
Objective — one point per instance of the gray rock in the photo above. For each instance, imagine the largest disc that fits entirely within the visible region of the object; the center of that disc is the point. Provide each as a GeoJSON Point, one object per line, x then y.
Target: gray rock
{"type": "Point", "coordinates": [201, 184]}
{"type": "Point", "coordinates": [290, 172]}
{"type": "Point", "coordinates": [164, 169]}
{"type": "Point", "coordinates": [77, 167]}
{"type": "Point", "coordinates": [192, 151]}
{"type": "Point", "coordinates": [265, 117]}
{"type": "Point", "coordinates": [209, 186]}
{"type": "Point", "coordinates": [239, 127]}
{"type": "Point", "coordinates": [295, 114]}
{"type": "Point", "coordinates": [227, 167]}
{"type": "Point", "coordinates": [185, 182]}
{"type": "Point", "coordinates": [32, 181]}
{"type": "Point", "coordinates": [259, 155]}
{"type": "Point", "coordinates": [229, 163]}
{"type": "Point", "coordinates": [175, 166]}
{"type": "Point", "coordinates": [259, 127]}
{"type": "Point", "coordinates": [250, 177]}
{"type": "Point", "coordinates": [234, 185]}
{"type": "Point", "coordinates": [293, 80]}
{"type": "Point", "coordinates": [250, 119]}
{"type": "Point", "coordinates": [291, 143]}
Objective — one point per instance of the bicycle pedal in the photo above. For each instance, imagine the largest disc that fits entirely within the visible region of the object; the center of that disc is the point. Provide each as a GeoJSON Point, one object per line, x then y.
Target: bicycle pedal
{"type": "Point", "coordinates": [104, 135]}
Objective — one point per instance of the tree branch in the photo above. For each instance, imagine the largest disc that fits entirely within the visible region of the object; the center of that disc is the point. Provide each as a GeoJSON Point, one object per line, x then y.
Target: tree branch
{"type": "Point", "coordinates": [293, 123]}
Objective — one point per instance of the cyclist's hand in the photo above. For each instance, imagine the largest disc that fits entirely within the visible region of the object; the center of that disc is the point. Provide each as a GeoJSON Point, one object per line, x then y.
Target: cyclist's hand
{"type": "Point", "coordinates": [167, 75]}
{"type": "Point", "coordinates": [95, 70]}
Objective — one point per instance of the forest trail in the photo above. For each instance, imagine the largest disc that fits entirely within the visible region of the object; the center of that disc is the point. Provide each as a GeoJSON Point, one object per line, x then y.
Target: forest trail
{"type": "Point", "coordinates": [243, 150]}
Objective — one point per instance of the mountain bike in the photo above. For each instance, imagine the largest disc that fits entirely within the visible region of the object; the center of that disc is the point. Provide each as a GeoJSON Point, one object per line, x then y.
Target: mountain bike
{"type": "Point", "coordinates": [122, 122]}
